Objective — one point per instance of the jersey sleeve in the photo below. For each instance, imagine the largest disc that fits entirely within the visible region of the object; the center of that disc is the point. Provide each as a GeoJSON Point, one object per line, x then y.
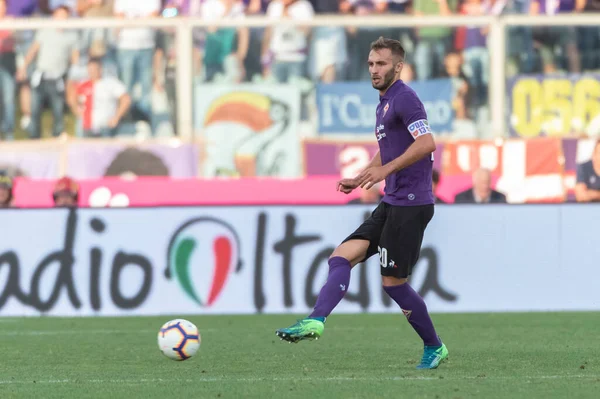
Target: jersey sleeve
{"type": "Point", "coordinates": [412, 114]}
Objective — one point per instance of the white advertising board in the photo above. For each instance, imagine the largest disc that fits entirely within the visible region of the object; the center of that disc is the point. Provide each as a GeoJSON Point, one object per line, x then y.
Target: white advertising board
{"type": "Point", "coordinates": [244, 260]}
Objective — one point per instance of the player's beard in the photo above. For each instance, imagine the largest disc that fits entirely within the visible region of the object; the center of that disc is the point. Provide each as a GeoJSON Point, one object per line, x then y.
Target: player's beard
{"type": "Point", "coordinates": [386, 81]}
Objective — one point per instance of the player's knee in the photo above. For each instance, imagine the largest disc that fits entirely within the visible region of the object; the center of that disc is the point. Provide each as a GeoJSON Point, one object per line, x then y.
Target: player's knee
{"type": "Point", "coordinates": [354, 251]}
{"type": "Point", "coordinates": [390, 281]}
{"type": "Point", "coordinates": [340, 253]}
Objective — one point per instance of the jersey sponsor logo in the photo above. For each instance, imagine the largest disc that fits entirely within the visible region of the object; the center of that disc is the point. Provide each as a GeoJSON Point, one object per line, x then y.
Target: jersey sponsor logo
{"type": "Point", "coordinates": [419, 128]}
{"type": "Point", "coordinates": [380, 133]}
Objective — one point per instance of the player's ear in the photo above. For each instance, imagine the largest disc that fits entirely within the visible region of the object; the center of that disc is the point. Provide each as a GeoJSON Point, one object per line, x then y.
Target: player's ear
{"type": "Point", "coordinates": [399, 66]}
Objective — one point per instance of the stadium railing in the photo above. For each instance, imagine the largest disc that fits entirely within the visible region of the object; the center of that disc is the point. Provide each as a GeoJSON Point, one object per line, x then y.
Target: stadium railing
{"type": "Point", "coordinates": [184, 26]}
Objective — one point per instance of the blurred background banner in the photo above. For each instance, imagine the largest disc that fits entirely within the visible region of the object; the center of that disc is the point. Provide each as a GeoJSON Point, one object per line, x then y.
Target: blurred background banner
{"type": "Point", "coordinates": [527, 250]}
{"type": "Point", "coordinates": [89, 160]}
{"type": "Point", "coordinates": [345, 158]}
{"type": "Point", "coordinates": [156, 173]}
{"type": "Point", "coordinates": [248, 130]}
{"type": "Point", "coordinates": [162, 191]}
{"type": "Point", "coordinates": [349, 107]}
{"type": "Point", "coordinates": [554, 105]}
{"type": "Point", "coordinates": [36, 159]}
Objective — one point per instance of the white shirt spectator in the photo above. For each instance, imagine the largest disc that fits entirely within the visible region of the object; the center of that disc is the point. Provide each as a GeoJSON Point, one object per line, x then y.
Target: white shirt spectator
{"type": "Point", "coordinates": [215, 9]}
{"type": "Point", "coordinates": [211, 10]}
{"type": "Point", "coordinates": [136, 38]}
{"type": "Point", "coordinates": [99, 102]}
{"type": "Point", "coordinates": [289, 43]}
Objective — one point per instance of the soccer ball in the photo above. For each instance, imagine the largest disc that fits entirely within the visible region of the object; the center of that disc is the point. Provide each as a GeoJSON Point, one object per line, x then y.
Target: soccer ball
{"type": "Point", "coordinates": [179, 339]}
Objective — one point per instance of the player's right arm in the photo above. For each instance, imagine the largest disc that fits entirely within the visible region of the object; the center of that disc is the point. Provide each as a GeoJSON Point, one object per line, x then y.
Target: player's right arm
{"type": "Point", "coordinates": [376, 161]}
{"type": "Point", "coordinates": [348, 185]}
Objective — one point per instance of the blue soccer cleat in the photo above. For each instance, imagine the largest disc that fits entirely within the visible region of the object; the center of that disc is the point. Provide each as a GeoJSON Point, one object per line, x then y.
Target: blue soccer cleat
{"type": "Point", "coordinates": [309, 328]}
{"type": "Point", "coordinates": [432, 357]}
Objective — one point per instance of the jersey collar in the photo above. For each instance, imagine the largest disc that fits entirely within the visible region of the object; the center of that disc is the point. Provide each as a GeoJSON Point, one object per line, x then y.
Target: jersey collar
{"type": "Point", "coordinates": [391, 90]}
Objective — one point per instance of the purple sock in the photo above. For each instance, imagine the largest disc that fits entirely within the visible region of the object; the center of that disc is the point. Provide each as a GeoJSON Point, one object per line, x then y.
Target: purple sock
{"type": "Point", "coordinates": [415, 310]}
{"type": "Point", "coordinates": [335, 288]}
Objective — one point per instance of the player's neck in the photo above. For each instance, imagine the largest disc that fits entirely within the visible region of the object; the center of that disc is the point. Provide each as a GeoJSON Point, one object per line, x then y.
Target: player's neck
{"type": "Point", "coordinates": [382, 92]}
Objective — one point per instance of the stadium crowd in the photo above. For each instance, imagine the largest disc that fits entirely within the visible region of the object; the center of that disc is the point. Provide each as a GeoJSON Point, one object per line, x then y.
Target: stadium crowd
{"type": "Point", "coordinates": [104, 76]}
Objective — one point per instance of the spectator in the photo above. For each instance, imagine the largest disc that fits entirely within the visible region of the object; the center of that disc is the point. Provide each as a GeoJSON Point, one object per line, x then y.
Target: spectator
{"type": "Point", "coordinates": [253, 65]}
{"type": "Point", "coordinates": [54, 50]}
{"type": "Point", "coordinates": [7, 79]}
{"type": "Point", "coordinates": [360, 39]}
{"type": "Point", "coordinates": [135, 50]}
{"type": "Point", "coordinates": [435, 180]}
{"type": "Point", "coordinates": [519, 43]}
{"type": "Point", "coordinates": [561, 38]}
{"type": "Point", "coordinates": [404, 34]}
{"type": "Point", "coordinates": [589, 40]}
{"type": "Point", "coordinates": [6, 191]}
{"type": "Point", "coordinates": [23, 40]}
{"type": "Point", "coordinates": [370, 196]}
{"type": "Point", "coordinates": [256, 7]}
{"type": "Point", "coordinates": [165, 58]}
{"type": "Point", "coordinates": [284, 47]}
{"type": "Point", "coordinates": [99, 40]}
{"type": "Point", "coordinates": [481, 192]}
{"type": "Point", "coordinates": [587, 188]}
{"type": "Point", "coordinates": [49, 6]}
{"type": "Point", "coordinates": [65, 193]}
{"type": "Point", "coordinates": [219, 56]}
{"type": "Point", "coordinates": [433, 42]}
{"type": "Point", "coordinates": [463, 125]}
{"type": "Point", "coordinates": [328, 53]}
{"type": "Point", "coordinates": [397, 6]}
{"type": "Point", "coordinates": [95, 8]}
{"type": "Point", "coordinates": [476, 58]}
{"type": "Point", "coordinates": [453, 71]}
{"type": "Point", "coordinates": [99, 102]}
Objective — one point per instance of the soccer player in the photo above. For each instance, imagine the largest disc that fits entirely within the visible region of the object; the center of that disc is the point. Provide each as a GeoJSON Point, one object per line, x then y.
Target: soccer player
{"type": "Point", "coordinates": [396, 227]}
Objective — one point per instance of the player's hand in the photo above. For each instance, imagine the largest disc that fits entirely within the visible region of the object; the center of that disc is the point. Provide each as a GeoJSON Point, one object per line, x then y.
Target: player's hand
{"type": "Point", "coordinates": [347, 185]}
{"type": "Point", "coordinates": [371, 176]}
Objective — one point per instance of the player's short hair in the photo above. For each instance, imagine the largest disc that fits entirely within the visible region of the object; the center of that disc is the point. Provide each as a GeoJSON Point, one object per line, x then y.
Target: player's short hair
{"type": "Point", "coordinates": [393, 45]}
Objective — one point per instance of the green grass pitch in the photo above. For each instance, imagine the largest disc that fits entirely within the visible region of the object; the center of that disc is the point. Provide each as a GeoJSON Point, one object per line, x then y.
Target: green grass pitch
{"type": "Point", "coordinates": [527, 355]}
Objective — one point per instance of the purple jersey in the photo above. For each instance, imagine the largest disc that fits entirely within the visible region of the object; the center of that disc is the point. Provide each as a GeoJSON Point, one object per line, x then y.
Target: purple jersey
{"type": "Point", "coordinates": [401, 118]}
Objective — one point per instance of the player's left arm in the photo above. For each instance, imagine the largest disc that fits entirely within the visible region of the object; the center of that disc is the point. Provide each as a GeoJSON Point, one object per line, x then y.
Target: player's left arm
{"type": "Point", "coordinates": [423, 146]}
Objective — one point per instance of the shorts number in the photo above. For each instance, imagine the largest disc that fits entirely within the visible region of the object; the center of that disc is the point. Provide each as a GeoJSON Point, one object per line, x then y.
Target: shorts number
{"type": "Point", "coordinates": [383, 258]}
